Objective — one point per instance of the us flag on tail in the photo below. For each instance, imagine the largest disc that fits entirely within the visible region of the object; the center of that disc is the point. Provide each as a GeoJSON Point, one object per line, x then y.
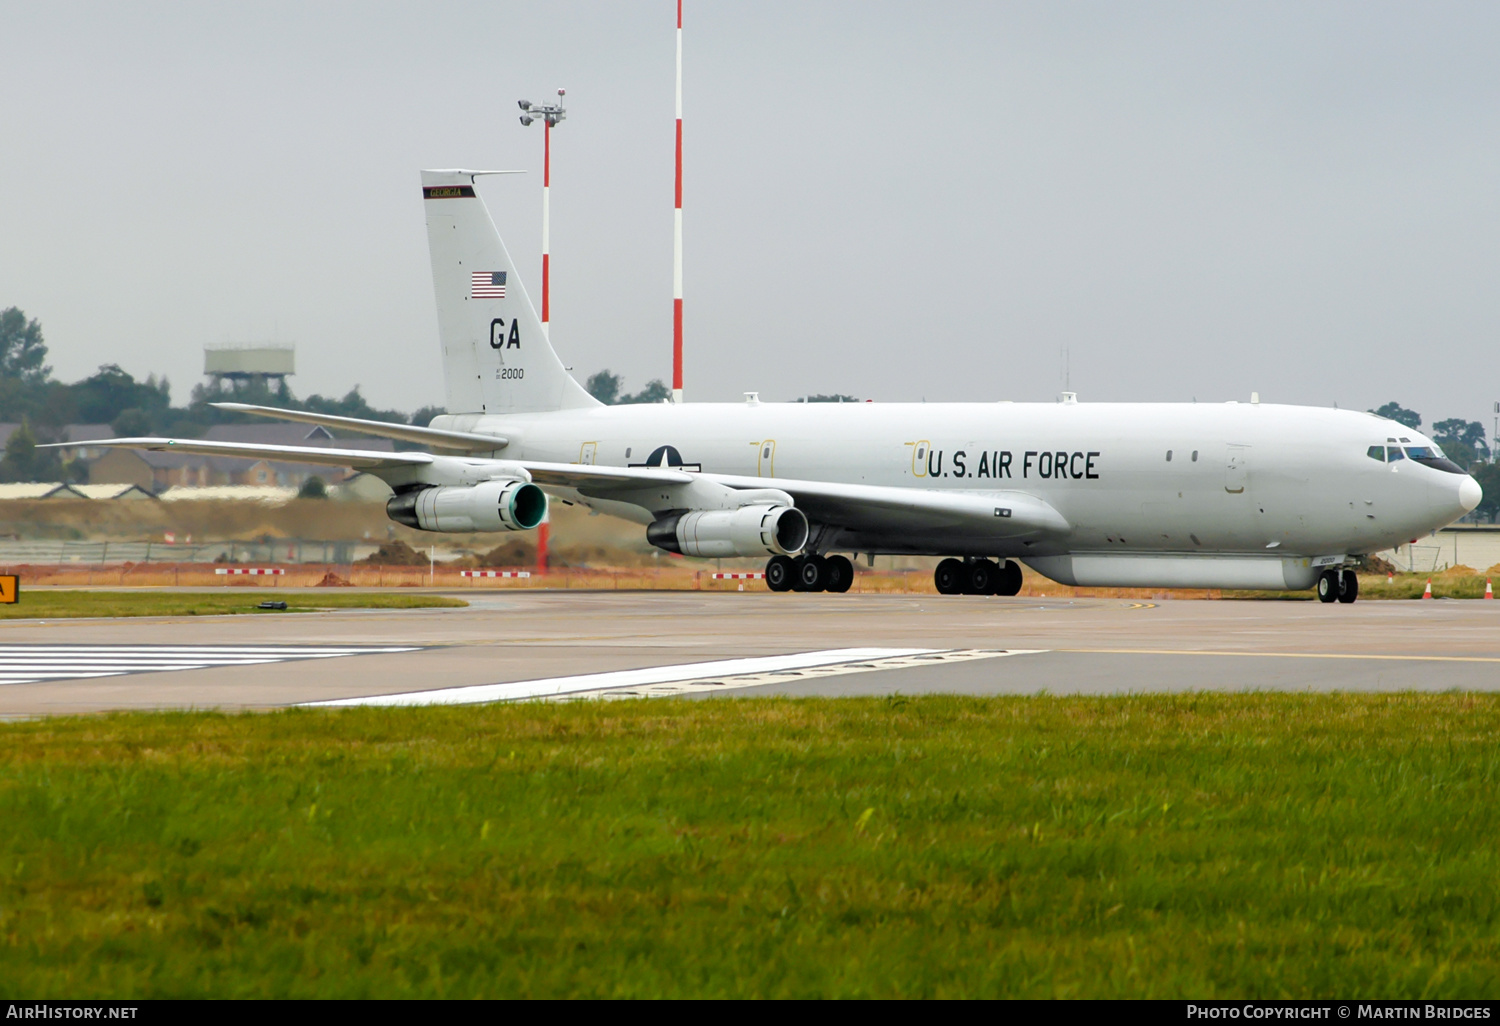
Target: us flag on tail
{"type": "Point", "coordinates": [487, 285]}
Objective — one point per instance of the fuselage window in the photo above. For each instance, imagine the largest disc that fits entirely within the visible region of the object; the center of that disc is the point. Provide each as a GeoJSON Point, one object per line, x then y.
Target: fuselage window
{"type": "Point", "coordinates": [1169, 455]}
{"type": "Point", "coordinates": [1394, 453]}
{"type": "Point", "coordinates": [1195, 455]}
{"type": "Point", "coordinates": [1376, 453]}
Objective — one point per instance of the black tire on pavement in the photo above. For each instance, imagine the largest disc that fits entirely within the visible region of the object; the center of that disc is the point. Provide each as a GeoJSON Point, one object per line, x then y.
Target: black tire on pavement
{"type": "Point", "coordinates": [840, 573]}
{"type": "Point", "coordinates": [812, 574]}
{"type": "Point", "coordinates": [1328, 586]}
{"type": "Point", "coordinates": [1009, 582]}
{"type": "Point", "coordinates": [949, 577]}
{"type": "Point", "coordinates": [982, 578]}
{"type": "Point", "coordinates": [1348, 586]}
{"type": "Point", "coordinates": [779, 571]}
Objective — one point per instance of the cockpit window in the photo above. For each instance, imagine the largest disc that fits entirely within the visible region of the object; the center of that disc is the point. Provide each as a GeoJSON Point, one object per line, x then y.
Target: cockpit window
{"type": "Point", "coordinates": [1394, 453]}
{"type": "Point", "coordinates": [1376, 453]}
{"type": "Point", "coordinates": [1432, 456]}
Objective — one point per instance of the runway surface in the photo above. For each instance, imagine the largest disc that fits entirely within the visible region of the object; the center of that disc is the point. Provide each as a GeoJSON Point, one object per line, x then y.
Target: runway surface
{"type": "Point", "coordinates": [742, 644]}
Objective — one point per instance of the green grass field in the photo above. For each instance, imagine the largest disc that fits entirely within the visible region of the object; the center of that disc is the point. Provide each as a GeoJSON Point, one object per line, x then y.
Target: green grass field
{"type": "Point", "coordinates": [59, 605]}
{"type": "Point", "coordinates": [1411, 586]}
{"type": "Point", "coordinates": [1212, 845]}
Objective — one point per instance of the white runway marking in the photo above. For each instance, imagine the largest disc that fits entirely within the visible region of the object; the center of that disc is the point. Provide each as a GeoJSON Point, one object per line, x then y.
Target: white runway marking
{"type": "Point", "coordinates": [654, 681]}
{"type": "Point", "coordinates": [930, 657]}
{"type": "Point", "coordinates": [30, 664]}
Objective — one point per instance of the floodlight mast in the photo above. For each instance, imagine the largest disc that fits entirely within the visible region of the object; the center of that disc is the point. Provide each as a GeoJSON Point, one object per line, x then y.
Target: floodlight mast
{"type": "Point", "coordinates": [549, 115]}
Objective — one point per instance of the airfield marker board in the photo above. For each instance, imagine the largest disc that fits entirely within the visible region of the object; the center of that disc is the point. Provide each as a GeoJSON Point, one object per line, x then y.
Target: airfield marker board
{"type": "Point", "coordinates": [10, 589]}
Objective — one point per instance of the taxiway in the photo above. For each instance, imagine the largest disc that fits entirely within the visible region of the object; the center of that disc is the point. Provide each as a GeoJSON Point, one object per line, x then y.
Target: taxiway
{"type": "Point", "coordinates": [697, 644]}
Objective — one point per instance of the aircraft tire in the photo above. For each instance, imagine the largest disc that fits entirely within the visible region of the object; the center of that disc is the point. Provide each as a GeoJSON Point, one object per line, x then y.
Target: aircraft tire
{"type": "Point", "coordinates": [1328, 586]}
{"type": "Point", "coordinates": [948, 578]}
{"type": "Point", "coordinates": [840, 574]}
{"type": "Point", "coordinates": [779, 573]}
{"type": "Point", "coordinates": [1009, 582]}
{"type": "Point", "coordinates": [981, 578]}
{"type": "Point", "coordinates": [1348, 586]}
{"type": "Point", "coordinates": [812, 574]}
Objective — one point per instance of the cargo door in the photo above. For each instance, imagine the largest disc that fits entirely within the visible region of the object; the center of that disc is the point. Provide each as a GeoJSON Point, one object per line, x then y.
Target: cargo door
{"type": "Point", "coordinates": [1235, 472]}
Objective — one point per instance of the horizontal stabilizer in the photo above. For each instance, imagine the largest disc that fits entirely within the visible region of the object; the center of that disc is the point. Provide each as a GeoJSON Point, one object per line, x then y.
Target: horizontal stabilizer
{"type": "Point", "coordinates": [464, 441]}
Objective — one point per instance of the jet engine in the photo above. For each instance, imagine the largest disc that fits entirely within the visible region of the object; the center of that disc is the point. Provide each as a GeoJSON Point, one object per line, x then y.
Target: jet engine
{"type": "Point", "coordinates": [491, 506]}
{"type": "Point", "coordinates": [748, 531]}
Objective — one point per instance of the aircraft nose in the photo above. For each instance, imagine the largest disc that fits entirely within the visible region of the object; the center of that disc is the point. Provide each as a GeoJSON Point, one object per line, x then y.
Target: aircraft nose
{"type": "Point", "coordinates": [1469, 494]}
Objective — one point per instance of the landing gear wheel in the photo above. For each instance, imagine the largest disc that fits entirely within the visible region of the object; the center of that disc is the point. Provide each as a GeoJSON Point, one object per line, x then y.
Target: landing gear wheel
{"type": "Point", "coordinates": [1328, 586]}
{"type": "Point", "coordinates": [779, 573]}
{"type": "Point", "coordinates": [982, 578]}
{"type": "Point", "coordinates": [1348, 586]}
{"type": "Point", "coordinates": [812, 574]}
{"type": "Point", "coordinates": [840, 574]}
{"type": "Point", "coordinates": [949, 577]}
{"type": "Point", "coordinates": [1009, 582]}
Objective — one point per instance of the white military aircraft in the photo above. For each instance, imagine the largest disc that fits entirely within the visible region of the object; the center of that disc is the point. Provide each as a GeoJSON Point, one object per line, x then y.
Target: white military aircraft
{"type": "Point", "coordinates": [1232, 495]}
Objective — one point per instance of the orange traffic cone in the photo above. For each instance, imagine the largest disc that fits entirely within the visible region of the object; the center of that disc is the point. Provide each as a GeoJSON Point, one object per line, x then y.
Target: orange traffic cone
{"type": "Point", "coordinates": [1489, 592]}
{"type": "Point", "coordinates": [1390, 577]}
{"type": "Point", "coordinates": [1428, 592]}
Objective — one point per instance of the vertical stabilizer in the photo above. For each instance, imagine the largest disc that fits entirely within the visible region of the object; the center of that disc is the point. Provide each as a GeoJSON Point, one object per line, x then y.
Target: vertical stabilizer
{"type": "Point", "coordinates": [496, 359]}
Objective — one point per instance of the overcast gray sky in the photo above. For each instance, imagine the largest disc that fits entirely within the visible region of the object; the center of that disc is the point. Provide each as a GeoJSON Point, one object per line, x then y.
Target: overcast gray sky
{"type": "Point", "coordinates": [898, 200]}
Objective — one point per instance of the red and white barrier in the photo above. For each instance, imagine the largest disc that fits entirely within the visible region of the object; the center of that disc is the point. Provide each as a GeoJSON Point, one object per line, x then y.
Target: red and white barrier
{"type": "Point", "coordinates": [739, 577]}
{"type": "Point", "coordinates": [254, 571]}
{"type": "Point", "coordinates": [494, 573]}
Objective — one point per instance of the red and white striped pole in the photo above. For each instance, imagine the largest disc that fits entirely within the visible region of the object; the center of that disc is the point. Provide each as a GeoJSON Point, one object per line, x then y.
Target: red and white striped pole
{"type": "Point", "coordinates": [550, 114]}
{"type": "Point", "coordinates": [547, 224]}
{"type": "Point", "coordinates": [677, 235]}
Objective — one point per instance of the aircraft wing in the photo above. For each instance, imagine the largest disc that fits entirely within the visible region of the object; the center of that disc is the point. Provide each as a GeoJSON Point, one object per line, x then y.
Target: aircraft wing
{"type": "Point", "coordinates": [599, 479]}
{"type": "Point", "coordinates": [881, 508]}
{"type": "Point", "coordinates": [566, 475]}
{"type": "Point", "coordinates": [858, 507]}
{"type": "Point", "coordinates": [466, 441]}
{"type": "Point", "coordinates": [362, 459]}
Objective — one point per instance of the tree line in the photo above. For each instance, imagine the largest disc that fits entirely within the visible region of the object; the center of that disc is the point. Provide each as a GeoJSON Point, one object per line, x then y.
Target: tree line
{"type": "Point", "coordinates": [44, 406]}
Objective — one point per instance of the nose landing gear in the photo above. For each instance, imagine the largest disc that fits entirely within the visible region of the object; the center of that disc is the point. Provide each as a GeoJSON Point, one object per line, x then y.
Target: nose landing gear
{"type": "Point", "coordinates": [1338, 586]}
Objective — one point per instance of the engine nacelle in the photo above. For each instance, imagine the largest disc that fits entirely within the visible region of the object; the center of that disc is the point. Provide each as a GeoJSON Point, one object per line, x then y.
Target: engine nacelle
{"type": "Point", "coordinates": [491, 506]}
{"type": "Point", "coordinates": [757, 530]}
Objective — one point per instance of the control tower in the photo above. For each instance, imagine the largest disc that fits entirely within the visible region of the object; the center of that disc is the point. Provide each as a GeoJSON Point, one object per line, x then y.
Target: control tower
{"type": "Point", "coordinates": [269, 364]}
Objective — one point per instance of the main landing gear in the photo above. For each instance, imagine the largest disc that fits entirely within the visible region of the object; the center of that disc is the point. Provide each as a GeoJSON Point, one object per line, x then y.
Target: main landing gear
{"type": "Point", "coordinates": [977, 577]}
{"type": "Point", "coordinates": [809, 573]}
{"type": "Point", "coordinates": [1338, 586]}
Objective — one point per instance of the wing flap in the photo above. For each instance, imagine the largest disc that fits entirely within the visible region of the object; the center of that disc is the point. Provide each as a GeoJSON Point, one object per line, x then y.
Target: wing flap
{"type": "Point", "coordinates": [466, 441]}
{"type": "Point", "coordinates": [600, 479]}
{"type": "Point", "coordinates": [1000, 513]}
{"type": "Point", "coordinates": [362, 459]}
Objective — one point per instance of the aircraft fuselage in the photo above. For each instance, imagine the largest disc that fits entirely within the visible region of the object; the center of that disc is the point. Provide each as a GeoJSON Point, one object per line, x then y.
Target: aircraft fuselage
{"type": "Point", "coordinates": [1192, 478]}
